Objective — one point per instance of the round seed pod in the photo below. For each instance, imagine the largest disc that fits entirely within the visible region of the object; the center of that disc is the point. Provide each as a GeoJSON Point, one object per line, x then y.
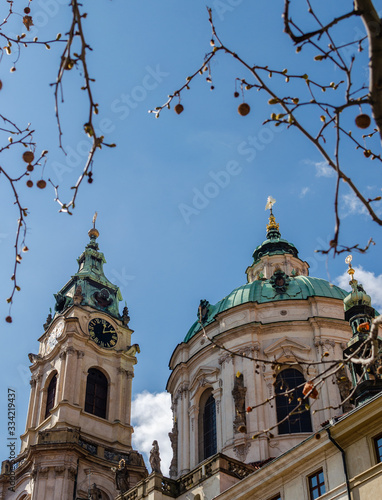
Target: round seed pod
{"type": "Point", "coordinates": [243, 109]}
{"type": "Point", "coordinates": [28, 156]}
{"type": "Point", "coordinates": [363, 121]}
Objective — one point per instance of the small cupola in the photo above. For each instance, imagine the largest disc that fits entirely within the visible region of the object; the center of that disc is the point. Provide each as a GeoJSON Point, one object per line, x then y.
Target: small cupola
{"type": "Point", "coordinates": [275, 254]}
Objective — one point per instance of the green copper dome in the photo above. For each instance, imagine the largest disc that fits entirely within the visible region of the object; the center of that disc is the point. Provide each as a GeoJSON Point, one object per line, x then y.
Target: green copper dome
{"type": "Point", "coordinates": [263, 291]}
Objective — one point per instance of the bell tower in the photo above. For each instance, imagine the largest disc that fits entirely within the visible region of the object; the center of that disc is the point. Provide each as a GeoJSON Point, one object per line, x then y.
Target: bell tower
{"type": "Point", "coordinates": [78, 431]}
{"type": "Point", "coordinates": [366, 380]}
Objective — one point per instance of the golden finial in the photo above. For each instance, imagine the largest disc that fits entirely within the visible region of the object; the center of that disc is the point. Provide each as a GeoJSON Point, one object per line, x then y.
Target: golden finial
{"type": "Point", "coordinates": [350, 271]}
{"type": "Point", "coordinates": [272, 221]}
{"type": "Point", "coordinates": [93, 232]}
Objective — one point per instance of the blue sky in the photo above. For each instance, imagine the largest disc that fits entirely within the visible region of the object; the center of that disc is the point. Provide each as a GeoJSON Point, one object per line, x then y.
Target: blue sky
{"type": "Point", "coordinates": [164, 256]}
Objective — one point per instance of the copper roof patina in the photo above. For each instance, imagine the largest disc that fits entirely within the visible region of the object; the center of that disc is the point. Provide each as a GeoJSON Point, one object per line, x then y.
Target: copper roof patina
{"type": "Point", "coordinates": [262, 291]}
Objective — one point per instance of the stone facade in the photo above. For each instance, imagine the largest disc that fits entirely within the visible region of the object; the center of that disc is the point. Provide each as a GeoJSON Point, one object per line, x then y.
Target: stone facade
{"type": "Point", "coordinates": [344, 450]}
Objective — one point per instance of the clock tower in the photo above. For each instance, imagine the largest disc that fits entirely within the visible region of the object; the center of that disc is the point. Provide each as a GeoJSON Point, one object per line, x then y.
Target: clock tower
{"type": "Point", "coordinates": [77, 442]}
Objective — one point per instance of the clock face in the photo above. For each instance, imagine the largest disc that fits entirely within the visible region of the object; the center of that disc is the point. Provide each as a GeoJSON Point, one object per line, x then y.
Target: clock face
{"type": "Point", "coordinates": [102, 333]}
{"type": "Point", "coordinates": [53, 336]}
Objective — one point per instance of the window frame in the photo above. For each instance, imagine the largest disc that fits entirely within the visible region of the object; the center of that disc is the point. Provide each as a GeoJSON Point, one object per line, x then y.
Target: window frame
{"type": "Point", "coordinates": [203, 454]}
{"type": "Point", "coordinates": [49, 400]}
{"type": "Point", "coordinates": [91, 399]}
{"type": "Point", "coordinates": [289, 427]}
{"type": "Point", "coordinates": [377, 449]}
{"type": "Point", "coordinates": [311, 488]}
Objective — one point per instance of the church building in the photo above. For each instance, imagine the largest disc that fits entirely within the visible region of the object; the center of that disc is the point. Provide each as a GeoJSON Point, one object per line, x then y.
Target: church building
{"type": "Point", "coordinates": [272, 398]}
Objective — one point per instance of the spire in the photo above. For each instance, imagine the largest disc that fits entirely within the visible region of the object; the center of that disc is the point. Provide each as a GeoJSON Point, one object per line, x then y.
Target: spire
{"type": "Point", "coordinates": [274, 244]}
{"type": "Point", "coordinates": [275, 253]}
{"type": "Point", "coordinates": [93, 232]}
{"type": "Point", "coordinates": [272, 226]}
{"type": "Point", "coordinates": [358, 296]}
{"type": "Point", "coordinates": [89, 286]}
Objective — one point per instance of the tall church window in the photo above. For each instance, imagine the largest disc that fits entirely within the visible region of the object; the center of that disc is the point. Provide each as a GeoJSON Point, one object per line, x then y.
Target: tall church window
{"type": "Point", "coordinates": [207, 425]}
{"type": "Point", "coordinates": [51, 395]}
{"type": "Point", "coordinates": [96, 393]}
{"type": "Point", "coordinates": [286, 404]}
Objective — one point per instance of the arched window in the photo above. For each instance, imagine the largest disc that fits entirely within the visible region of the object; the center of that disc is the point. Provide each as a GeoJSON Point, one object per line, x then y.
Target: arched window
{"type": "Point", "coordinates": [207, 425]}
{"type": "Point", "coordinates": [96, 393]}
{"type": "Point", "coordinates": [51, 395]}
{"type": "Point", "coordinates": [285, 404]}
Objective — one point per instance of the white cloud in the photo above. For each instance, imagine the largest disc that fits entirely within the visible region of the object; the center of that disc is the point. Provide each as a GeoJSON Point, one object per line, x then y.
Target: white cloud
{"type": "Point", "coordinates": [304, 191]}
{"type": "Point", "coordinates": [322, 168]}
{"type": "Point", "coordinates": [371, 283]}
{"type": "Point", "coordinates": [351, 205]}
{"type": "Point", "coordinates": [152, 419]}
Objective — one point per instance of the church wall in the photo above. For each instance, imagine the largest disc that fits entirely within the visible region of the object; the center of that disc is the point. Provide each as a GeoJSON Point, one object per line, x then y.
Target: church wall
{"type": "Point", "coordinates": [197, 365]}
{"type": "Point", "coordinates": [289, 474]}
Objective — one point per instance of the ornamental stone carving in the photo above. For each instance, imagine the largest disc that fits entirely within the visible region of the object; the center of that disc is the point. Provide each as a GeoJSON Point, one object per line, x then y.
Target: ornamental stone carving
{"type": "Point", "coordinates": [226, 357]}
{"type": "Point", "coordinates": [72, 472]}
{"type": "Point", "coordinates": [125, 316]}
{"type": "Point", "coordinates": [203, 311]}
{"type": "Point", "coordinates": [241, 451]}
{"type": "Point", "coordinates": [78, 297]}
{"type": "Point", "coordinates": [59, 471]}
{"type": "Point", "coordinates": [345, 387]}
{"type": "Point", "coordinates": [94, 493]}
{"type": "Point", "coordinates": [181, 392]}
{"type": "Point", "coordinates": [287, 349]}
{"type": "Point", "coordinates": [238, 393]}
{"type": "Point", "coordinates": [279, 281]}
{"type": "Point", "coordinates": [205, 377]}
{"type": "Point", "coordinates": [173, 435]}
{"type": "Point", "coordinates": [43, 471]}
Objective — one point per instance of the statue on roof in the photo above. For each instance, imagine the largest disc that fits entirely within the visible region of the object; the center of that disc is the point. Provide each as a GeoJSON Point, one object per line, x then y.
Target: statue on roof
{"type": "Point", "coordinates": [155, 458]}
